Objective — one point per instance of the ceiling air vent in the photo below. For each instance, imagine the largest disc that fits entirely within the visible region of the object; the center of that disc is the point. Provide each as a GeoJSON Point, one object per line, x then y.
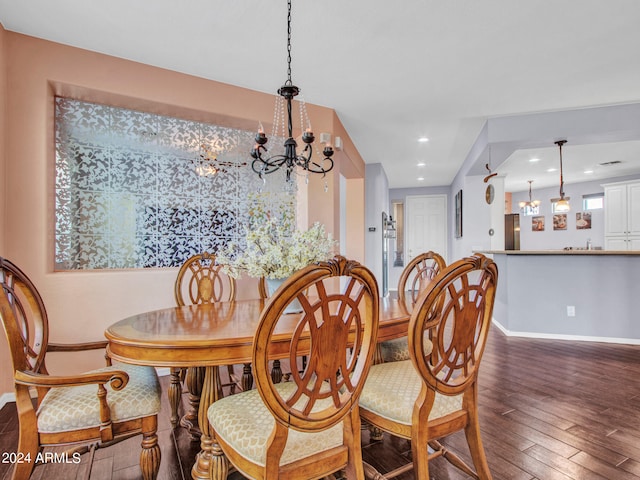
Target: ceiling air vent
{"type": "Point", "coordinates": [608, 164]}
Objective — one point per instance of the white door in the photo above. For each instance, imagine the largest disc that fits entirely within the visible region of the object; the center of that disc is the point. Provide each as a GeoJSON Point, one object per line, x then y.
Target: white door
{"type": "Point", "coordinates": [426, 225]}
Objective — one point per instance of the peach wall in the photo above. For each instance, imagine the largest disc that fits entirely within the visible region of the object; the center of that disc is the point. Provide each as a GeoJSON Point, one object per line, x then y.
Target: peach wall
{"type": "Point", "coordinates": [355, 228]}
{"type": "Point", "coordinates": [82, 304]}
{"type": "Point", "coordinates": [349, 164]}
{"type": "Point", "coordinates": [354, 172]}
{"type": "Point", "coordinates": [6, 385]}
{"type": "Point", "coordinates": [3, 102]}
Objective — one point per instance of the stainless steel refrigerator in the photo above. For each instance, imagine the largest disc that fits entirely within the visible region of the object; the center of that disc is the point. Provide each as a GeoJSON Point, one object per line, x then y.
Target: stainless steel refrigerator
{"type": "Point", "coordinates": [512, 231]}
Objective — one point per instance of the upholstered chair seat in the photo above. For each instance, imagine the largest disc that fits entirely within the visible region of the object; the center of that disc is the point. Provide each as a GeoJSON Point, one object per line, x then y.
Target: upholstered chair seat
{"type": "Point", "coordinates": [65, 409]}
{"type": "Point", "coordinates": [244, 423]}
{"type": "Point", "coordinates": [403, 380]}
{"type": "Point", "coordinates": [397, 350]}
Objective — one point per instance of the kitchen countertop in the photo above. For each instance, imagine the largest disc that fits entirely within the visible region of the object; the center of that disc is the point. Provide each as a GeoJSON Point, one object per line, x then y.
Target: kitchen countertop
{"type": "Point", "coordinates": [568, 294]}
{"type": "Point", "coordinates": [560, 252]}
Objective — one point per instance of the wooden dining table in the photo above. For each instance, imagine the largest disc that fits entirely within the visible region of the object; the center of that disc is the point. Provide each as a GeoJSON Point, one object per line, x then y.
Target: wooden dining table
{"type": "Point", "coordinates": [209, 336]}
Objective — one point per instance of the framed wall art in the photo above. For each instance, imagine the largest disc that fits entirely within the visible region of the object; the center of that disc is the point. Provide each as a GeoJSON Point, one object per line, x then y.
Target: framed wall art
{"type": "Point", "coordinates": [537, 224]}
{"type": "Point", "coordinates": [459, 214]}
{"type": "Point", "coordinates": [583, 220]}
{"type": "Point", "coordinates": [560, 221]}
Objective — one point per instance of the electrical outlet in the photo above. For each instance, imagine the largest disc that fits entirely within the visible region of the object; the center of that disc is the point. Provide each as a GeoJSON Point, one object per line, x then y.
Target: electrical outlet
{"type": "Point", "coordinates": [571, 311]}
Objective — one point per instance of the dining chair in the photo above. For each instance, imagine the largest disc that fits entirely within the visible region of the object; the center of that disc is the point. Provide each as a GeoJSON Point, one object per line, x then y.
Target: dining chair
{"type": "Point", "coordinates": [415, 277]}
{"type": "Point", "coordinates": [308, 427]}
{"type": "Point", "coordinates": [200, 280]}
{"type": "Point", "coordinates": [435, 393]}
{"type": "Point", "coordinates": [96, 408]}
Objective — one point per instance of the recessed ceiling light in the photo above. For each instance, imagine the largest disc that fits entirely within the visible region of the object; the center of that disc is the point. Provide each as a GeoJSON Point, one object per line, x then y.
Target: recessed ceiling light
{"type": "Point", "coordinates": [534, 160]}
{"type": "Point", "coordinates": [423, 139]}
{"type": "Point", "coordinates": [420, 179]}
{"type": "Point", "coordinates": [421, 164]}
{"type": "Point", "coordinates": [551, 169]}
{"type": "Point", "coordinates": [588, 171]}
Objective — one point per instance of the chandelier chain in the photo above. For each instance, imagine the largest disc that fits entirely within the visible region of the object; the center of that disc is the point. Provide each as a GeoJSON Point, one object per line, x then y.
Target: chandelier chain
{"type": "Point", "coordinates": [289, 82]}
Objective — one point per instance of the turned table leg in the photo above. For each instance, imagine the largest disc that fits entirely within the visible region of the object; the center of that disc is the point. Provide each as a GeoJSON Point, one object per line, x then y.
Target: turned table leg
{"type": "Point", "coordinates": [210, 462]}
{"type": "Point", "coordinates": [194, 380]}
{"type": "Point", "coordinates": [247, 377]}
{"type": "Point", "coordinates": [174, 394]}
{"type": "Point", "coordinates": [276, 372]}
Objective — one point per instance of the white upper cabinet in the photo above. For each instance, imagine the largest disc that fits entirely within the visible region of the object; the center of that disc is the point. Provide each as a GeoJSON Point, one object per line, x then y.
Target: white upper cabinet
{"type": "Point", "coordinates": [622, 215]}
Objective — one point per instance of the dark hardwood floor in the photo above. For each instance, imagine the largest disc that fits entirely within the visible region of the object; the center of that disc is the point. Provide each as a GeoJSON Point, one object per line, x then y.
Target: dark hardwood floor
{"type": "Point", "coordinates": [549, 410]}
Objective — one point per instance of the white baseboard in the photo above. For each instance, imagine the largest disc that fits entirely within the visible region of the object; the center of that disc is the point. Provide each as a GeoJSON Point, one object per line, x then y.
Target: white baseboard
{"type": "Point", "coordinates": [574, 338]}
{"type": "Point", "coordinates": [6, 398]}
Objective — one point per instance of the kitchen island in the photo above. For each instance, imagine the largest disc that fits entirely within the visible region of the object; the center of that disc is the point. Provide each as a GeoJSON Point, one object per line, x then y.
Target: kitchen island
{"type": "Point", "coordinates": [569, 294]}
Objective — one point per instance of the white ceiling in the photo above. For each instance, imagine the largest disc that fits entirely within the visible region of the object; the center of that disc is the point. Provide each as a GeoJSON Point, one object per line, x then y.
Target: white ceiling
{"type": "Point", "coordinates": [580, 163]}
{"type": "Point", "coordinates": [393, 71]}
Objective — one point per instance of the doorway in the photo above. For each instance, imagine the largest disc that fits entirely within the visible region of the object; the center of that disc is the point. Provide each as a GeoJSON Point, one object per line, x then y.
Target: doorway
{"type": "Point", "coordinates": [425, 225]}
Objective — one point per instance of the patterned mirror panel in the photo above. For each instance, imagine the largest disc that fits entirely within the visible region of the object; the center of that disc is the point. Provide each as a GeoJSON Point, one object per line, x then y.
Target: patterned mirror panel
{"type": "Point", "coordinates": [139, 190]}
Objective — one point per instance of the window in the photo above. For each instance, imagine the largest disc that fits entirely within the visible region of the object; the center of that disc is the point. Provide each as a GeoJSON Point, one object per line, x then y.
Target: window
{"type": "Point", "coordinates": [529, 210]}
{"type": "Point", "coordinates": [593, 201]}
{"type": "Point", "coordinates": [136, 190]}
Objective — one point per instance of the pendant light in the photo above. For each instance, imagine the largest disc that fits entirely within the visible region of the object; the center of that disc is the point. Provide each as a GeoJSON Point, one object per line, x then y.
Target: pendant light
{"type": "Point", "coordinates": [562, 203]}
{"type": "Point", "coordinates": [531, 204]}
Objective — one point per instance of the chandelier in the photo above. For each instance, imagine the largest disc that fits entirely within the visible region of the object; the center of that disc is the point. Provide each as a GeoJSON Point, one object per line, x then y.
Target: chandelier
{"type": "Point", "coordinates": [209, 164]}
{"type": "Point", "coordinates": [531, 205]}
{"type": "Point", "coordinates": [290, 159]}
{"type": "Point", "coordinates": [562, 203]}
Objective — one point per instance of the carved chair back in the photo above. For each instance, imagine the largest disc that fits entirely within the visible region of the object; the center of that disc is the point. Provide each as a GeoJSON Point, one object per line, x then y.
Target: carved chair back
{"type": "Point", "coordinates": [201, 280]}
{"type": "Point", "coordinates": [336, 330]}
{"type": "Point", "coordinates": [24, 318]}
{"type": "Point", "coordinates": [418, 273]}
{"type": "Point", "coordinates": [456, 310]}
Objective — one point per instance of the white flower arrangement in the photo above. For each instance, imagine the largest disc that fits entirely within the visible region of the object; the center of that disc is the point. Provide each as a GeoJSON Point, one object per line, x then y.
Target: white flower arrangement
{"type": "Point", "coordinates": [273, 247]}
{"type": "Point", "coordinates": [275, 250]}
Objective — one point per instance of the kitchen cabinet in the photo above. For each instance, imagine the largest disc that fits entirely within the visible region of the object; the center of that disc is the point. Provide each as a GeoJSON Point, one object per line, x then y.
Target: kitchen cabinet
{"type": "Point", "coordinates": [622, 216]}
